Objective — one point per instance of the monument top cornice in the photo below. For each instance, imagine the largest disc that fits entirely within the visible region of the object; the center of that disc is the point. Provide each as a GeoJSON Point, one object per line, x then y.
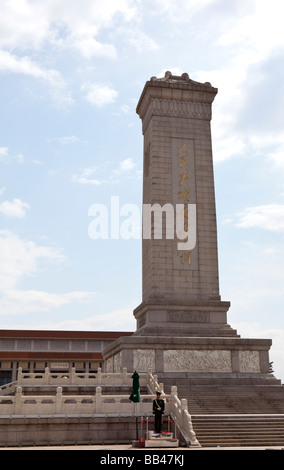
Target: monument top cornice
{"type": "Point", "coordinates": [182, 79]}
{"type": "Point", "coordinates": [175, 87]}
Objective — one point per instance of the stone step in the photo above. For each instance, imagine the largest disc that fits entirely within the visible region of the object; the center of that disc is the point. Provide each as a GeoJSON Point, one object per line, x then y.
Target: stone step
{"type": "Point", "coordinates": [239, 430]}
{"type": "Point", "coordinates": [240, 426]}
{"type": "Point", "coordinates": [242, 443]}
{"type": "Point", "coordinates": [239, 417]}
{"type": "Point", "coordinates": [231, 431]}
{"type": "Point", "coordinates": [267, 399]}
{"type": "Point", "coordinates": [254, 437]}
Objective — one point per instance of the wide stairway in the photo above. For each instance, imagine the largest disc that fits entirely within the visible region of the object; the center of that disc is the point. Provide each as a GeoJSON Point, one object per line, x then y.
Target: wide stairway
{"type": "Point", "coordinates": [236, 415]}
{"type": "Point", "coordinates": [239, 430]}
{"type": "Point", "coordinates": [260, 399]}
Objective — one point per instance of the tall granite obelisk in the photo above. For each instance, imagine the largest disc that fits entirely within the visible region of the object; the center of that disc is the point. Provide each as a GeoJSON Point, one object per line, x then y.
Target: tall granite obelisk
{"type": "Point", "coordinates": [180, 292]}
{"type": "Point", "coordinates": [182, 328]}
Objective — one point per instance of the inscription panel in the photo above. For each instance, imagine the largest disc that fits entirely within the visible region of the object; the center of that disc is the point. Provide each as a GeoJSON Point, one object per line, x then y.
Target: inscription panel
{"type": "Point", "coordinates": [184, 192]}
{"type": "Point", "coordinates": [188, 317]}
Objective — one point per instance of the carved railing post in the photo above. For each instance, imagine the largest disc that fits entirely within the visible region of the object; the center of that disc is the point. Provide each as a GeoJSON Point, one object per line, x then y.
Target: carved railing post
{"type": "Point", "coordinates": [187, 424]}
{"type": "Point", "coordinates": [18, 401]}
{"type": "Point", "coordinates": [99, 375]}
{"type": "Point", "coordinates": [20, 376]}
{"type": "Point", "coordinates": [98, 399]}
{"type": "Point", "coordinates": [46, 376]}
{"type": "Point", "coordinates": [73, 375]}
{"type": "Point", "coordinates": [124, 376]}
{"type": "Point", "coordinates": [59, 400]}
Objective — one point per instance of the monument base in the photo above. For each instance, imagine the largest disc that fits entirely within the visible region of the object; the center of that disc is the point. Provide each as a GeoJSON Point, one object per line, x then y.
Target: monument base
{"type": "Point", "coordinates": [188, 318]}
{"type": "Point", "coordinates": [193, 359]}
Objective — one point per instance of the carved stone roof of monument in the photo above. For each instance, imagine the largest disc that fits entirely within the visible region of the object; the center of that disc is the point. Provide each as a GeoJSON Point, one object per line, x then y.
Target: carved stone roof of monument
{"type": "Point", "coordinates": [179, 79]}
{"type": "Point", "coordinates": [175, 87]}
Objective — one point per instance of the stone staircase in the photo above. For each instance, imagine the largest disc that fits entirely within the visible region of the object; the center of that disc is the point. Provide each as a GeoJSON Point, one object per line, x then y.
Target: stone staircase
{"type": "Point", "coordinates": [251, 415]}
{"type": "Point", "coordinates": [239, 430]}
{"type": "Point", "coordinates": [250, 399]}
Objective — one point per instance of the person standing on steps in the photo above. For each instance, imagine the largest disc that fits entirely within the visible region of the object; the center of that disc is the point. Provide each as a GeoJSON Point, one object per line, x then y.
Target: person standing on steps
{"type": "Point", "coordinates": [158, 410]}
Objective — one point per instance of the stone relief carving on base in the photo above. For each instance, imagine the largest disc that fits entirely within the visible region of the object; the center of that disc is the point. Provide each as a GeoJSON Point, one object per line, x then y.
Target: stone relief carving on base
{"type": "Point", "coordinates": [249, 361]}
{"type": "Point", "coordinates": [197, 361]}
{"type": "Point", "coordinates": [117, 362]}
{"type": "Point", "coordinates": [143, 359]}
{"type": "Point", "coordinates": [109, 365]}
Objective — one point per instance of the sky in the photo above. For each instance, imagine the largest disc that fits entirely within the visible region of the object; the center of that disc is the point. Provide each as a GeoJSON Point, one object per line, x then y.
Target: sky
{"type": "Point", "coordinates": [71, 74]}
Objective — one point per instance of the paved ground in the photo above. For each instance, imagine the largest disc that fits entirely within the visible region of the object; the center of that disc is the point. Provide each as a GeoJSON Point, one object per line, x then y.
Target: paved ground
{"type": "Point", "coordinates": [130, 448]}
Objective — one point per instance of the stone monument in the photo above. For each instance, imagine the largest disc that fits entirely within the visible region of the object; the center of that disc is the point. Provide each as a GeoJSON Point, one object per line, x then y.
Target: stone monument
{"type": "Point", "coordinates": [180, 288]}
{"type": "Point", "coordinates": [182, 322]}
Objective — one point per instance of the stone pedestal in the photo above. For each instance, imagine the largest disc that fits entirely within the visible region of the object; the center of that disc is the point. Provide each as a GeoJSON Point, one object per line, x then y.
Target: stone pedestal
{"type": "Point", "coordinates": [183, 318]}
{"type": "Point", "coordinates": [194, 360]}
{"type": "Point", "coordinates": [182, 327]}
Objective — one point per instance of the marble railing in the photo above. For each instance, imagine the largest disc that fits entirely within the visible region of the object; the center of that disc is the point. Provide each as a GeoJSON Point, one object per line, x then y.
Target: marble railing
{"type": "Point", "coordinates": [96, 403]}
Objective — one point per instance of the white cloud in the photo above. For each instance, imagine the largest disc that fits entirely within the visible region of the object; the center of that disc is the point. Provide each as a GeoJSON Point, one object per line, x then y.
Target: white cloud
{"type": "Point", "coordinates": [67, 24]}
{"type": "Point", "coordinates": [277, 157]}
{"type": "Point", "coordinates": [7, 157]}
{"type": "Point", "coordinates": [96, 175]}
{"type": "Point", "coordinates": [15, 209]}
{"type": "Point", "coordinates": [23, 24]}
{"type": "Point", "coordinates": [141, 41]}
{"type": "Point", "coordinates": [99, 94]}
{"type": "Point", "coordinates": [117, 320]}
{"type": "Point", "coordinates": [239, 125]}
{"type": "Point", "coordinates": [267, 217]}
{"type": "Point", "coordinates": [67, 139]}
{"type": "Point", "coordinates": [248, 109]}
{"type": "Point", "coordinates": [17, 302]}
{"type": "Point", "coordinates": [20, 259]}
{"type": "Point", "coordinates": [227, 143]}
{"type": "Point", "coordinates": [179, 11]}
{"type": "Point", "coordinates": [125, 166]}
{"type": "Point", "coordinates": [26, 66]}
{"type": "Point", "coordinates": [83, 24]}
{"type": "Point", "coordinates": [87, 177]}
{"type": "Point", "coordinates": [4, 152]}
{"type": "Point", "coordinates": [260, 31]}
{"type": "Point", "coordinates": [90, 47]}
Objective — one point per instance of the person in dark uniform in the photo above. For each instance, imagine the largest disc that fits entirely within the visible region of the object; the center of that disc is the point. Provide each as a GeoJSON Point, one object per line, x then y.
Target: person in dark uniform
{"type": "Point", "coordinates": [158, 410]}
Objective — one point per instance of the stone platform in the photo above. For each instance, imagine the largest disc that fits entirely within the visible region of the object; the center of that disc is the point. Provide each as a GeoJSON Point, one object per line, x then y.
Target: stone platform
{"type": "Point", "coordinates": [164, 439]}
{"type": "Point", "coordinates": [183, 318]}
{"type": "Point", "coordinates": [196, 359]}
